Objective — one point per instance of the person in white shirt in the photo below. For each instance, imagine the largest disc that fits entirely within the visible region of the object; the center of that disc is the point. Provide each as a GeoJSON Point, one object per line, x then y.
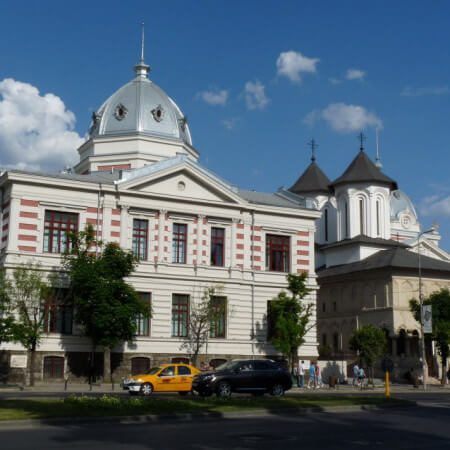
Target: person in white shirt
{"type": "Point", "coordinates": [301, 373]}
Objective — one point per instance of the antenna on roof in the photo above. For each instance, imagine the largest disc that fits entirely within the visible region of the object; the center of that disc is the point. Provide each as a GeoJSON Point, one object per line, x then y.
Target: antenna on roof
{"type": "Point", "coordinates": [141, 68]}
{"type": "Point", "coordinates": [377, 161]}
{"type": "Point", "coordinates": [312, 143]}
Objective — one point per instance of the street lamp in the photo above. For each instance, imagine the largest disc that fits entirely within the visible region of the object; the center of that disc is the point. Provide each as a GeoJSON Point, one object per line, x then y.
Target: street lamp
{"type": "Point", "coordinates": [422, 339]}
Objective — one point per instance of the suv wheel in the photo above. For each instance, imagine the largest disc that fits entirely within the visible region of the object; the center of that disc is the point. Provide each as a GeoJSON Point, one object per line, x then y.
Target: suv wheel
{"type": "Point", "coordinates": [223, 389]}
{"type": "Point", "coordinates": [146, 389]}
{"type": "Point", "coordinates": [277, 390]}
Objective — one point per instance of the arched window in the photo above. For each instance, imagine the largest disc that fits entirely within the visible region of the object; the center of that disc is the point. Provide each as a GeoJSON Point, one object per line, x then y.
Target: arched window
{"type": "Point", "coordinates": [53, 367]}
{"type": "Point", "coordinates": [378, 213]}
{"type": "Point", "coordinates": [325, 222]}
{"type": "Point", "coordinates": [140, 365]}
{"type": "Point", "coordinates": [401, 343]}
{"type": "Point", "coordinates": [346, 219]}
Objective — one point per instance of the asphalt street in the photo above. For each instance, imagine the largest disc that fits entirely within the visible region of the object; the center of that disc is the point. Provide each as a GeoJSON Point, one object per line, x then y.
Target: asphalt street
{"type": "Point", "coordinates": [422, 427]}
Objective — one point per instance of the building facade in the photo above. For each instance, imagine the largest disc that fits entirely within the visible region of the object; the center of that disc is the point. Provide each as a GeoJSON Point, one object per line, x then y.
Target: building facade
{"type": "Point", "coordinates": [367, 261]}
{"type": "Point", "coordinates": [139, 184]}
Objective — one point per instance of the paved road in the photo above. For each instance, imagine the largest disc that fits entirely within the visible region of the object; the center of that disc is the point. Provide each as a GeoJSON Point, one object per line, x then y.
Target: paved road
{"type": "Point", "coordinates": [423, 427]}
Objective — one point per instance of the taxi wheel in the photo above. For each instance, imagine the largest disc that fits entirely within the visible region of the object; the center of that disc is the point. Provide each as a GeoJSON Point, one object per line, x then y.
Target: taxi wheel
{"type": "Point", "coordinates": [183, 393]}
{"type": "Point", "coordinates": [224, 389]}
{"type": "Point", "coordinates": [146, 389]}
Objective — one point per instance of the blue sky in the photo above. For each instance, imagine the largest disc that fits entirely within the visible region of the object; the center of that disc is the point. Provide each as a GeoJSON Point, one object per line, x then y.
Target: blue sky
{"type": "Point", "coordinates": [257, 80]}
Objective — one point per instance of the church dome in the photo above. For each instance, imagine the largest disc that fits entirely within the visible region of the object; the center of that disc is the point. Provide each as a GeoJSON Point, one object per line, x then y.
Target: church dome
{"type": "Point", "coordinates": [401, 203]}
{"type": "Point", "coordinates": [140, 107]}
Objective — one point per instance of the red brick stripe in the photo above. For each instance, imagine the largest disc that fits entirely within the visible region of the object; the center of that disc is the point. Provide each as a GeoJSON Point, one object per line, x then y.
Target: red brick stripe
{"type": "Point", "coordinates": [303, 252]}
{"type": "Point", "coordinates": [115, 223]}
{"type": "Point", "coordinates": [240, 246]}
{"type": "Point", "coordinates": [27, 237]}
{"type": "Point", "coordinates": [91, 210]}
{"type": "Point", "coordinates": [240, 226]}
{"type": "Point", "coordinates": [115, 233]}
{"type": "Point", "coordinates": [27, 226]}
{"type": "Point", "coordinates": [303, 262]}
{"type": "Point", "coordinates": [24, 248]}
{"type": "Point", "coordinates": [30, 215]}
{"type": "Point", "coordinates": [29, 203]}
{"type": "Point", "coordinates": [303, 243]}
{"type": "Point", "coordinates": [302, 233]}
{"type": "Point", "coordinates": [116, 212]}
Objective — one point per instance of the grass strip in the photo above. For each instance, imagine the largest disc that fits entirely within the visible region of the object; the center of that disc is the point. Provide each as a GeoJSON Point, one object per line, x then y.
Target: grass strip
{"type": "Point", "coordinates": [115, 406]}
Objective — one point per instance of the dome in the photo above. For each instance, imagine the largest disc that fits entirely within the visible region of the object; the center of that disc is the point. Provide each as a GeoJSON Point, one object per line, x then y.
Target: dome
{"type": "Point", "coordinates": [400, 202]}
{"type": "Point", "coordinates": [140, 107]}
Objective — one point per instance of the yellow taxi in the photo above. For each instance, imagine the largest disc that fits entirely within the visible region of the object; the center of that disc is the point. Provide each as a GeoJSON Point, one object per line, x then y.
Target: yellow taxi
{"type": "Point", "coordinates": [166, 378]}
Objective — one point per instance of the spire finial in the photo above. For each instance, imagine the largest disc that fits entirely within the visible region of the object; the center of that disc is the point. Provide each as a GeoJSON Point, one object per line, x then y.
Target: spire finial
{"type": "Point", "coordinates": [361, 138]}
{"type": "Point", "coordinates": [377, 161]}
{"type": "Point", "coordinates": [141, 68]}
{"type": "Point", "coordinates": [312, 143]}
{"type": "Point", "coordinates": [142, 43]}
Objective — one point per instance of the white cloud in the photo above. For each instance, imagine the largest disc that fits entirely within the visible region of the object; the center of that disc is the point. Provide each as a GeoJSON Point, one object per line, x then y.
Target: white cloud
{"type": "Point", "coordinates": [230, 123]}
{"type": "Point", "coordinates": [291, 64]}
{"type": "Point", "coordinates": [345, 118]}
{"type": "Point", "coordinates": [435, 205]}
{"type": "Point", "coordinates": [334, 80]}
{"type": "Point", "coordinates": [214, 97]}
{"type": "Point", "coordinates": [355, 74]}
{"type": "Point", "coordinates": [36, 131]}
{"type": "Point", "coordinates": [255, 95]}
{"type": "Point", "coordinates": [408, 91]}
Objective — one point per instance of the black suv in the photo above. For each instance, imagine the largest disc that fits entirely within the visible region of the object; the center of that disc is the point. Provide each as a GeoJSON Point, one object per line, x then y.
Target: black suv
{"type": "Point", "coordinates": [256, 376]}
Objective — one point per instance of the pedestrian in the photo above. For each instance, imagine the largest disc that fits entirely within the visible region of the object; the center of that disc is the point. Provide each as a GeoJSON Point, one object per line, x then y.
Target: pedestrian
{"type": "Point", "coordinates": [301, 374]}
{"type": "Point", "coordinates": [203, 366]}
{"type": "Point", "coordinates": [318, 376]}
{"type": "Point", "coordinates": [355, 374]}
{"type": "Point", "coordinates": [361, 376]}
{"type": "Point", "coordinates": [312, 376]}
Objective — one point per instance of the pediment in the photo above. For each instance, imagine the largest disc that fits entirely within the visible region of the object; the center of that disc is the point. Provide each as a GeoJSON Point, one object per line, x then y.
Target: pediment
{"type": "Point", "coordinates": [184, 182]}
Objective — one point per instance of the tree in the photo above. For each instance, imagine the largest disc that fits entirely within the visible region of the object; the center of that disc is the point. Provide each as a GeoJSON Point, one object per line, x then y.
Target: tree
{"type": "Point", "coordinates": [6, 317]}
{"type": "Point", "coordinates": [370, 343]}
{"type": "Point", "coordinates": [27, 290]}
{"type": "Point", "coordinates": [203, 318]}
{"type": "Point", "coordinates": [106, 306]}
{"type": "Point", "coordinates": [440, 306]}
{"type": "Point", "coordinates": [290, 318]}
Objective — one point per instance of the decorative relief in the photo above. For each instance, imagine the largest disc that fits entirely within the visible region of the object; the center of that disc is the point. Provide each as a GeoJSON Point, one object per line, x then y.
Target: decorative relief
{"type": "Point", "coordinates": [120, 112]}
{"type": "Point", "coordinates": [158, 113]}
{"type": "Point", "coordinates": [181, 186]}
{"type": "Point", "coordinates": [183, 122]}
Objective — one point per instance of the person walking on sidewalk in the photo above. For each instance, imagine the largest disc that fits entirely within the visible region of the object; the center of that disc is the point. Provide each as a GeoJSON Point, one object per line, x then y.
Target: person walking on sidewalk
{"type": "Point", "coordinates": [361, 376]}
{"type": "Point", "coordinates": [301, 374]}
{"type": "Point", "coordinates": [318, 377]}
{"type": "Point", "coordinates": [355, 374]}
{"type": "Point", "coordinates": [312, 376]}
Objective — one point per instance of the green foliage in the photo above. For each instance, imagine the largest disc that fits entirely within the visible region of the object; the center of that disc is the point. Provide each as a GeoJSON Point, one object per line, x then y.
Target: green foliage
{"type": "Point", "coordinates": [6, 317]}
{"type": "Point", "coordinates": [370, 343]}
{"type": "Point", "coordinates": [105, 304]}
{"type": "Point", "coordinates": [203, 315]}
{"type": "Point", "coordinates": [290, 317]}
{"type": "Point", "coordinates": [440, 305]}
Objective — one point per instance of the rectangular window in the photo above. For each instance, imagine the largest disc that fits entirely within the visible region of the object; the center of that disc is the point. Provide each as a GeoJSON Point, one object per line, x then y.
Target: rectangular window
{"type": "Point", "coordinates": [56, 227]}
{"type": "Point", "coordinates": [57, 314]}
{"type": "Point", "coordinates": [180, 315]}
{"type": "Point", "coordinates": [361, 216]}
{"type": "Point", "coordinates": [378, 218]}
{"type": "Point", "coordinates": [140, 238]}
{"type": "Point", "coordinates": [218, 323]}
{"type": "Point", "coordinates": [277, 253]}
{"type": "Point", "coordinates": [179, 239]}
{"type": "Point", "coordinates": [346, 219]}
{"type": "Point", "coordinates": [217, 246]}
{"type": "Point", "coordinates": [143, 323]}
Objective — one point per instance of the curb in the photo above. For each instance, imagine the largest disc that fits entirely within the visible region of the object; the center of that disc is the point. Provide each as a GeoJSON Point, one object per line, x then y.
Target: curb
{"type": "Point", "coordinates": [170, 418]}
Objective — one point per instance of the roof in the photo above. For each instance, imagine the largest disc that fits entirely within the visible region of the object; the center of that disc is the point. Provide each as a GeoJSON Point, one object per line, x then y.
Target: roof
{"type": "Point", "coordinates": [363, 239]}
{"type": "Point", "coordinates": [94, 177]}
{"type": "Point", "coordinates": [312, 180]}
{"type": "Point", "coordinates": [363, 170]}
{"type": "Point", "coordinates": [276, 199]}
{"type": "Point", "coordinates": [140, 107]}
{"type": "Point", "coordinates": [398, 258]}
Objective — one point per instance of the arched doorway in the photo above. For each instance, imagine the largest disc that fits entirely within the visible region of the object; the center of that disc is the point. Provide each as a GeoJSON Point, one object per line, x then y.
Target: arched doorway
{"type": "Point", "coordinates": [139, 365]}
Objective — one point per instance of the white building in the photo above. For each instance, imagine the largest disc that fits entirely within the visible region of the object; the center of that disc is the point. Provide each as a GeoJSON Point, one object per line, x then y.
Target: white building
{"type": "Point", "coordinates": [367, 260]}
{"type": "Point", "coordinates": [139, 183]}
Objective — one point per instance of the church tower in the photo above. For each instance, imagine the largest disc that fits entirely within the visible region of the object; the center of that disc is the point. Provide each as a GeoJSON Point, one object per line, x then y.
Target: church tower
{"type": "Point", "coordinates": [362, 196]}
